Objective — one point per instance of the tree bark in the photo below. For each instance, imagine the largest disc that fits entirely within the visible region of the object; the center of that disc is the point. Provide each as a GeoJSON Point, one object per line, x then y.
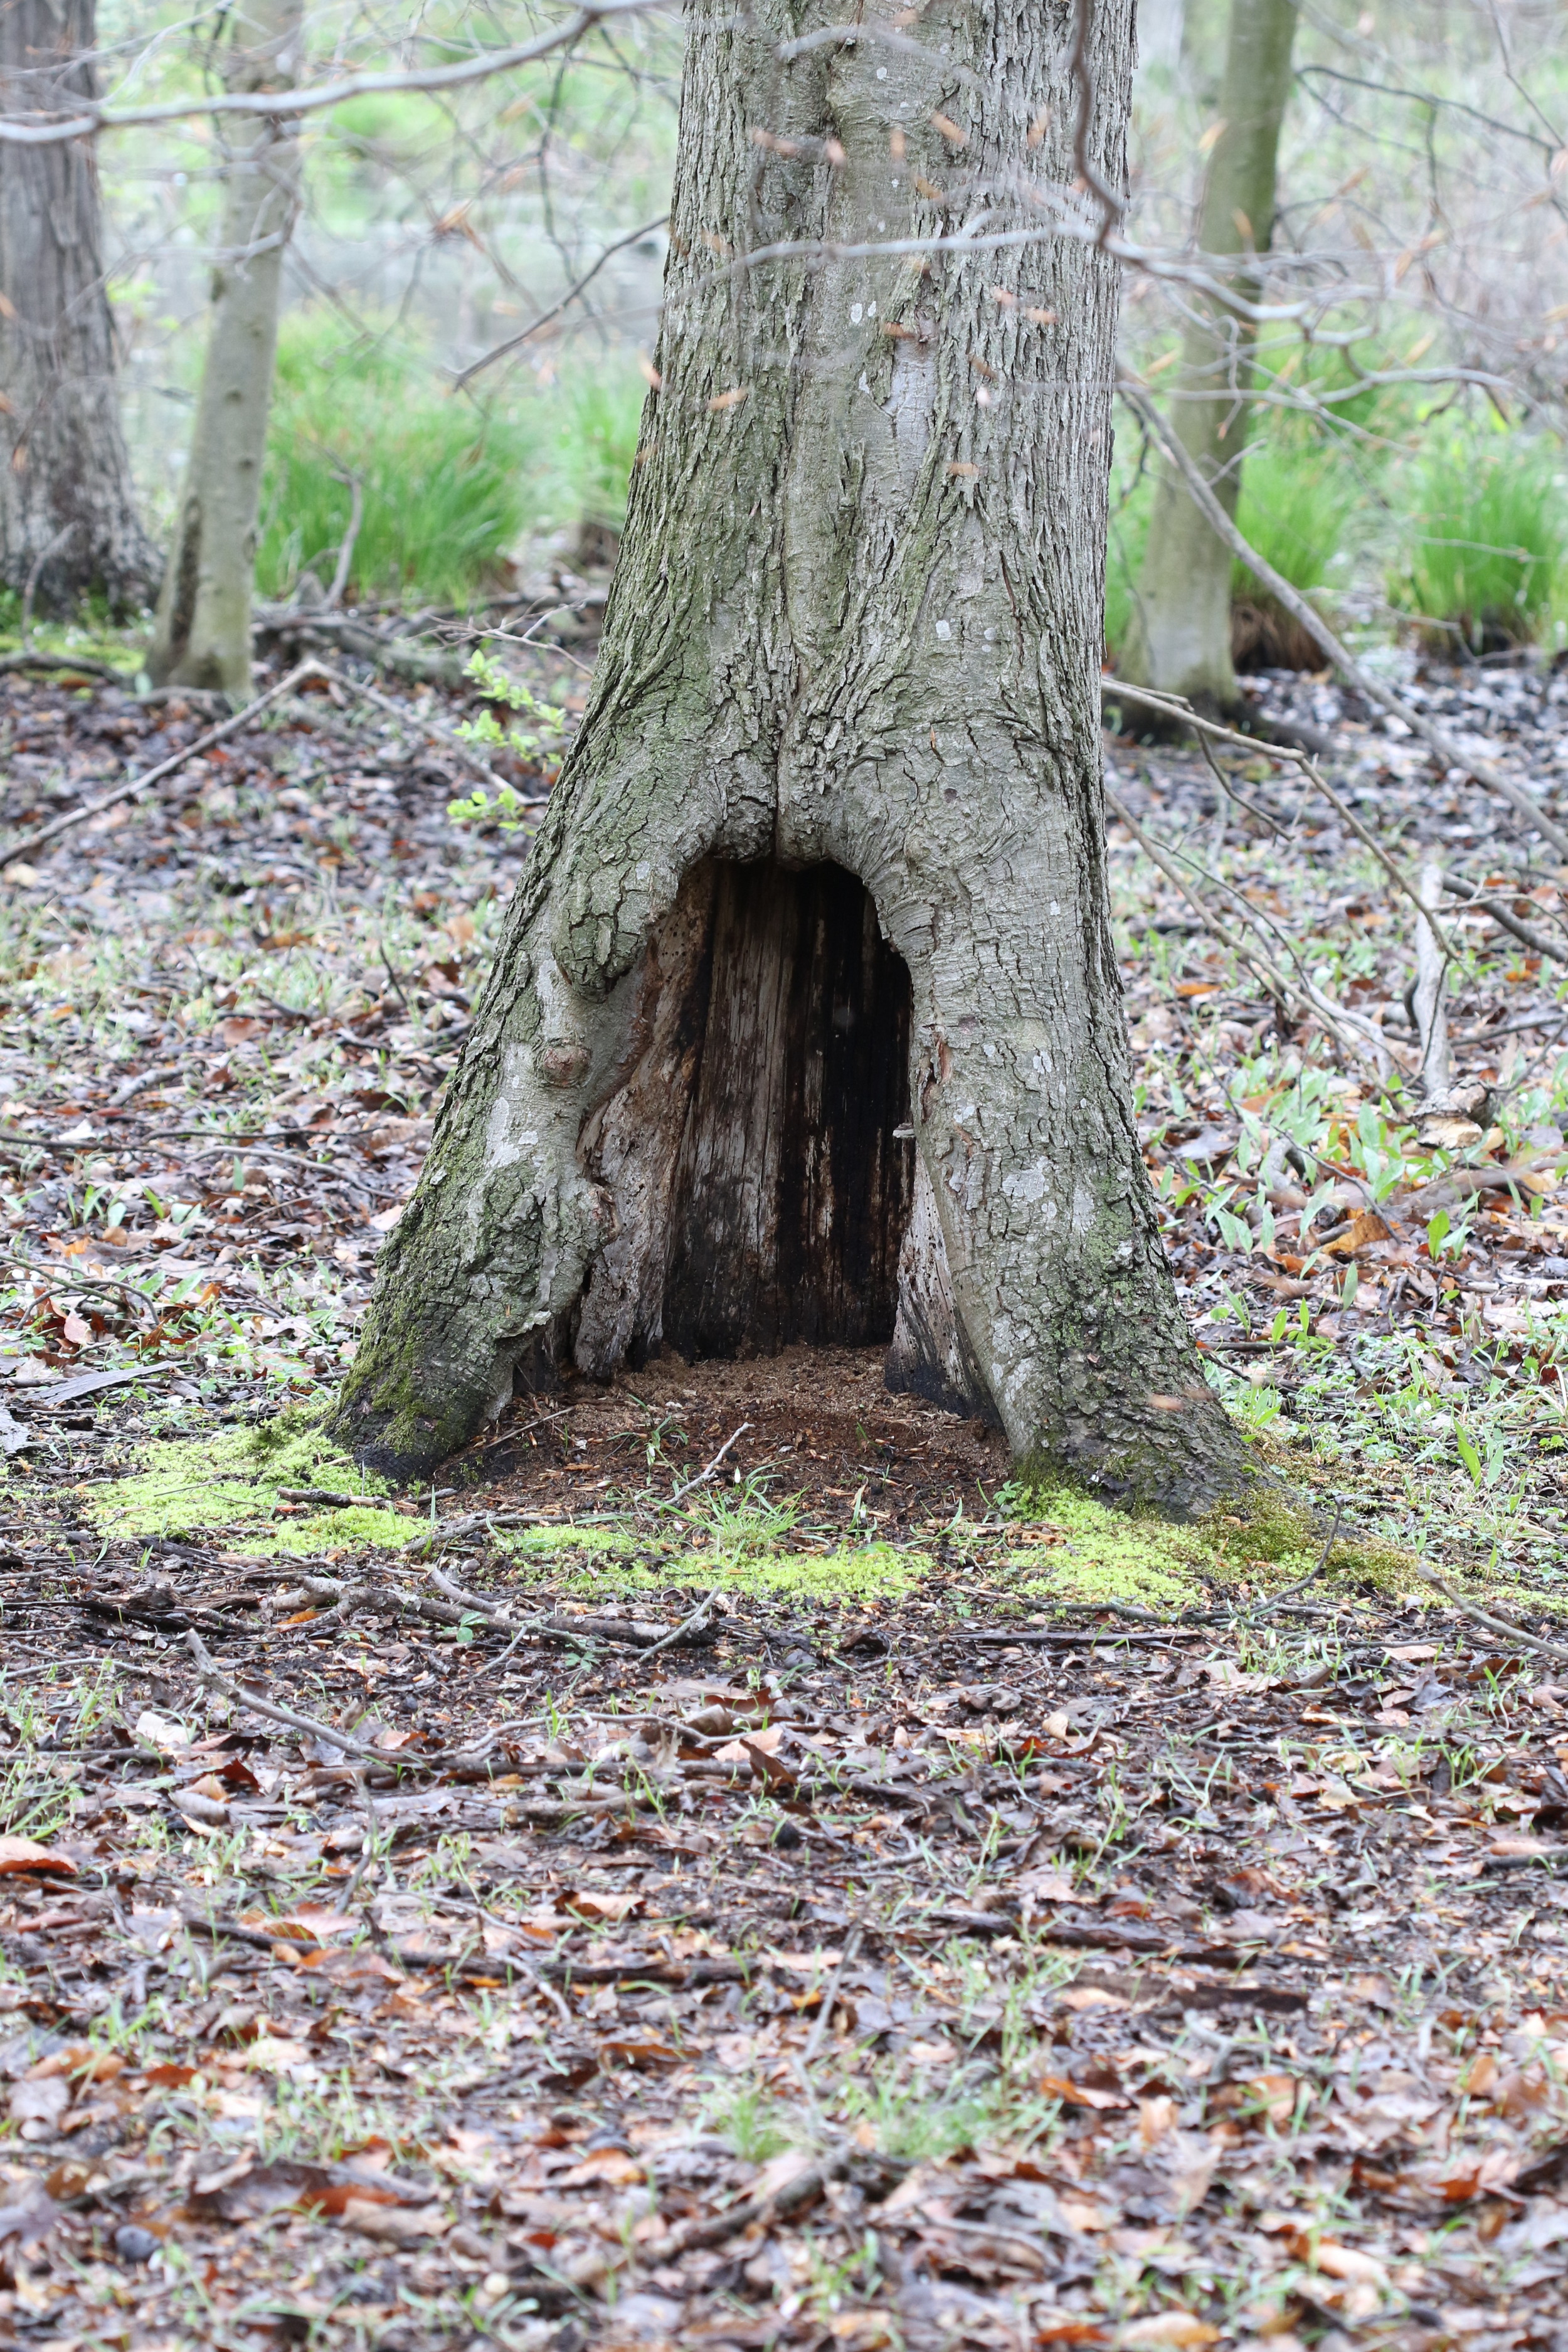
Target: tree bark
{"type": "Point", "coordinates": [1180, 637]}
{"type": "Point", "coordinates": [201, 634]}
{"type": "Point", "coordinates": [68, 513]}
{"type": "Point", "coordinates": [823, 878]}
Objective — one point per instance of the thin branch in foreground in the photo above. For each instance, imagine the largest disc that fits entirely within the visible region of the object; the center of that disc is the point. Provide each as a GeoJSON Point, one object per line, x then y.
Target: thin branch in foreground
{"type": "Point", "coordinates": [548, 318]}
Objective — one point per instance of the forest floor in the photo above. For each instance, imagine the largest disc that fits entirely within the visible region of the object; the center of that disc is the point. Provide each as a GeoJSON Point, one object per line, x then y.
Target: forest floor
{"type": "Point", "coordinates": [740, 1872]}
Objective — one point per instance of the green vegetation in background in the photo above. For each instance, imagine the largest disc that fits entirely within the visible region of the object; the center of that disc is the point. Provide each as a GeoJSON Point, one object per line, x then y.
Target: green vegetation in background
{"type": "Point", "coordinates": [1131, 496]}
{"type": "Point", "coordinates": [449, 487]}
{"type": "Point", "coordinates": [1296, 503]}
{"type": "Point", "coordinates": [598, 421]}
{"type": "Point", "coordinates": [444, 483]}
{"type": "Point", "coordinates": [1298, 500]}
{"type": "Point", "coordinates": [1486, 543]}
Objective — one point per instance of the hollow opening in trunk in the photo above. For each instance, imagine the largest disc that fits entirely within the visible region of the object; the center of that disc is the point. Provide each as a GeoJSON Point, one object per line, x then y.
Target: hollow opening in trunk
{"type": "Point", "coordinates": [758, 1151]}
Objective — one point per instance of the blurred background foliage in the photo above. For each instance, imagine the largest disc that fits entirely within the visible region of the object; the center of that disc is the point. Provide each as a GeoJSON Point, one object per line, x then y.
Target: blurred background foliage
{"type": "Point", "coordinates": [1432, 510]}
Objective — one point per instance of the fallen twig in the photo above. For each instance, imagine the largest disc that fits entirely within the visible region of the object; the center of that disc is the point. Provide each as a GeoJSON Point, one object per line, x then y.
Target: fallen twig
{"type": "Point", "coordinates": [703, 1475]}
{"type": "Point", "coordinates": [1267, 1608]}
{"type": "Point", "coordinates": [1493, 1624]}
{"type": "Point", "coordinates": [691, 2237]}
{"type": "Point", "coordinates": [1505, 920]}
{"type": "Point", "coordinates": [683, 1632]}
{"type": "Point", "coordinates": [209, 1673]}
{"type": "Point", "coordinates": [830, 1993]}
{"type": "Point", "coordinates": [25, 846]}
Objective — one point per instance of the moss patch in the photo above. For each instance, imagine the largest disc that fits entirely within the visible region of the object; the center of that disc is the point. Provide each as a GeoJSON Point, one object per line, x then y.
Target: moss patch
{"type": "Point", "coordinates": [583, 1543]}
{"type": "Point", "coordinates": [597, 1559]}
{"type": "Point", "coordinates": [230, 1483]}
{"type": "Point", "coordinates": [1083, 1552]}
{"type": "Point", "coordinates": [852, 1573]}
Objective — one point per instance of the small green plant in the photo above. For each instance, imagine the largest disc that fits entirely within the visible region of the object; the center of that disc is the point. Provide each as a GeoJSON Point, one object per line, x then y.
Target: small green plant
{"type": "Point", "coordinates": [30, 1806]}
{"type": "Point", "coordinates": [751, 2123]}
{"type": "Point", "coordinates": [1484, 1462]}
{"type": "Point", "coordinates": [537, 744]}
{"type": "Point", "coordinates": [747, 1525]}
{"type": "Point", "coordinates": [1446, 1236]}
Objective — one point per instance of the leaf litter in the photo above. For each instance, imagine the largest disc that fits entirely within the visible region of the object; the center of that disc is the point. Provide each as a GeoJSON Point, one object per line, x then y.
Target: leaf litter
{"type": "Point", "coordinates": [731, 1868]}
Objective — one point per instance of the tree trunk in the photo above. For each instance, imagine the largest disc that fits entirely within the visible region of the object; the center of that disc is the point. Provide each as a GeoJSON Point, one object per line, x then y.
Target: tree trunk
{"type": "Point", "coordinates": [1180, 637]}
{"type": "Point", "coordinates": [68, 514]}
{"type": "Point", "coordinates": [201, 636]}
{"type": "Point", "coordinates": [806, 1020]}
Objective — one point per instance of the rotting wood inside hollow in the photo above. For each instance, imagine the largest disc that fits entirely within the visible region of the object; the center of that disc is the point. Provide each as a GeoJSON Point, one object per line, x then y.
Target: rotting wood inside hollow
{"type": "Point", "coordinates": [761, 1186]}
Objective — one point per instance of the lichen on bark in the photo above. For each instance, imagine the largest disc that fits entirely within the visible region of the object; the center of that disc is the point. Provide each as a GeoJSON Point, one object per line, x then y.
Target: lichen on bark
{"type": "Point", "coordinates": [855, 625]}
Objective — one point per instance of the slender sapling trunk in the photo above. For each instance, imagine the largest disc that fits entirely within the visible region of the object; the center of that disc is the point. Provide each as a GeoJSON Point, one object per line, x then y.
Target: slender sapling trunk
{"type": "Point", "coordinates": [201, 633]}
{"type": "Point", "coordinates": [1180, 636]}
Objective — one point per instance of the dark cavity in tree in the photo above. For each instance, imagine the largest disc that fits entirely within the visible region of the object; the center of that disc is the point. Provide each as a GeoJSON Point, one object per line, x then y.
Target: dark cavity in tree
{"type": "Point", "coordinates": [777, 1034]}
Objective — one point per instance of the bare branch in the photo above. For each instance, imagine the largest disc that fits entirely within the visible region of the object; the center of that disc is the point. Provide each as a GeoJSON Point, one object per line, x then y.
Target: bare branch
{"type": "Point", "coordinates": [88, 121]}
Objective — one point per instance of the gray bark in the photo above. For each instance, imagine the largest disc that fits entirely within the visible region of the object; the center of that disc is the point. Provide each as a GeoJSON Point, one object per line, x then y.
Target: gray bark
{"type": "Point", "coordinates": [1180, 637]}
{"type": "Point", "coordinates": [68, 511]}
{"type": "Point", "coordinates": [823, 878]}
{"type": "Point", "coordinates": [201, 633]}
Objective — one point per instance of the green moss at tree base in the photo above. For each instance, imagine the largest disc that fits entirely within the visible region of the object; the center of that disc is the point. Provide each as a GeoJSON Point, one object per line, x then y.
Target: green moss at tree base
{"type": "Point", "coordinates": [1057, 1545]}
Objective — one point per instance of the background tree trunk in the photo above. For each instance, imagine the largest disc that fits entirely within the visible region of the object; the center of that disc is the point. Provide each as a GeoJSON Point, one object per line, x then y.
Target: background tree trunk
{"type": "Point", "coordinates": [66, 501]}
{"type": "Point", "coordinates": [1180, 637]}
{"type": "Point", "coordinates": [823, 878]}
{"type": "Point", "coordinates": [201, 635]}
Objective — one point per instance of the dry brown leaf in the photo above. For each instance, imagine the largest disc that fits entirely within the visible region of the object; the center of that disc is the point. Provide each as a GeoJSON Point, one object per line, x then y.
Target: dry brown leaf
{"type": "Point", "coordinates": [394, 2225]}
{"type": "Point", "coordinates": [1348, 2262]}
{"type": "Point", "coordinates": [609, 2167]}
{"type": "Point", "coordinates": [42, 2101]}
{"type": "Point", "coordinates": [1079, 2094]}
{"type": "Point", "coordinates": [1178, 2328]}
{"type": "Point", "coordinates": [19, 1854]}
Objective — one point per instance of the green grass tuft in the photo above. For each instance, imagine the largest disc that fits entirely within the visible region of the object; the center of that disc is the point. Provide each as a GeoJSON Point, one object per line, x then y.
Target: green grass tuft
{"type": "Point", "coordinates": [1488, 540]}
{"type": "Point", "coordinates": [595, 446]}
{"type": "Point", "coordinates": [449, 485]}
{"type": "Point", "coordinates": [1295, 505]}
{"type": "Point", "coordinates": [445, 481]}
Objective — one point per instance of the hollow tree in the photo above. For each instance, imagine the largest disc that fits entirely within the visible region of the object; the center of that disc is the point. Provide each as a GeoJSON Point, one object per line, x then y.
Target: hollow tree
{"type": "Point", "coordinates": [68, 511]}
{"type": "Point", "coordinates": [806, 1024]}
{"type": "Point", "coordinates": [201, 633]}
{"type": "Point", "coordinates": [1180, 636]}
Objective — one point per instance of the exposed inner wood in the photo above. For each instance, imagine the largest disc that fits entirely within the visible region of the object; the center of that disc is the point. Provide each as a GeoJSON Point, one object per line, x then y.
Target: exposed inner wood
{"type": "Point", "coordinates": [761, 1192]}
